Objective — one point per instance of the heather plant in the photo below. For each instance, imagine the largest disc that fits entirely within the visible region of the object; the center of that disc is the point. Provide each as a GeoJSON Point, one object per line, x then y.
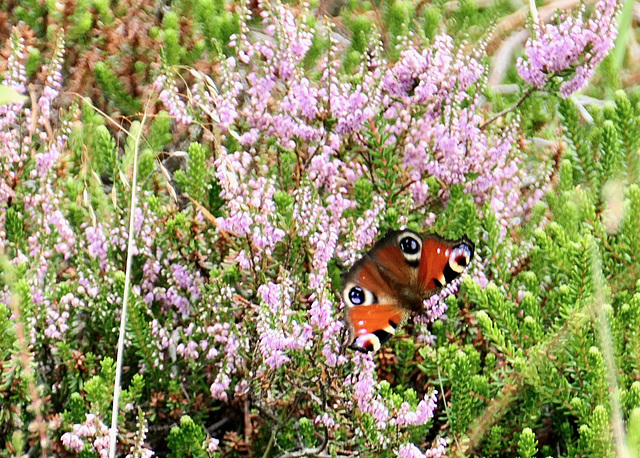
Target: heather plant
{"type": "Point", "coordinates": [281, 157]}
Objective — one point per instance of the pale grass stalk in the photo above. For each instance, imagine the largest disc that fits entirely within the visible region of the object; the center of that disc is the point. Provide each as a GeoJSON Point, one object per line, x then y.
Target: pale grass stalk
{"type": "Point", "coordinates": [113, 432]}
{"type": "Point", "coordinates": [606, 345]}
{"type": "Point", "coordinates": [25, 359]}
{"type": "Point", "coordinates": [534, 12]}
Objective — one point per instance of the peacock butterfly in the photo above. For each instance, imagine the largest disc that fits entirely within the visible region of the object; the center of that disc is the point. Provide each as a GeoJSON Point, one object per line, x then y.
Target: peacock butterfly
{"type": "Point", "coordinates": [394, 278]}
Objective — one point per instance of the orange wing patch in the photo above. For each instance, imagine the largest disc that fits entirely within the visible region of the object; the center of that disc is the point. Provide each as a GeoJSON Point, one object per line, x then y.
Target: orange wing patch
{"type": "Point", "coordinates": [372, 325]}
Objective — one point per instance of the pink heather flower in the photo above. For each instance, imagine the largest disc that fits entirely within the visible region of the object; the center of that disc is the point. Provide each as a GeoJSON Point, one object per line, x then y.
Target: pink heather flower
{"type": "Point", "coordinates": [212, 444]}
{"type": "Point", "coordinates": [424, 94]}
{"type": "Point", "coordinates": [322, 317]}
{"type": "Point", "coordinates": [150, 271]}
{"type": "Point", "coordinates": [419, 192]}
{"type": "Point", "coordinates": [423, 413]}
{"type": "Point", "coordinates": [58, 315]}
{"type": "Point", "coordinates": [294, 39]}
{"type": "Point", "coordinates": [66, 239]}
{"type": "Point", "coordinates": [168, 95]}
{"type": "Point", "coordinates": [14, 146]}
{"type": "Point", "coordinates": [325, 241]}
{"type": "Point", "coordinates": [278, 332]}
{"type": "Point", "coordinates": [93, 431]}
{"type": "Point", "coordinates": [409, 450]}
{"type": "Point", "coordinates": [433, 78]}
{"type": "Point", "coordinates": [190, 350]}
{"type": "Point", "coordinates": [187, 280]}
{"type": "Point", "coordinates": [53, 84]}
{"type": "Point", "coordinates": [351, 107]}
{"type": "Point", "coordinates": [97, 244]}
{"type": "Point", "coordinates": [220, 386]}
{"type": "Point", "coordinates": [365, 389]}
{"type": "Point", "coordinates": [251, 207]}
{"type": "Point", "coordinates": [222, 105]}
{"type": "Point", "coordinates": [16, 76]}
{"type": "Point", "coordinates": [366, 230]}
{"type": "Point", "coordinates": [570, 42]}
{"type": "Point", "coordinates": [435, 306]}
{"type": "Point", "coordinates": [72, 442]}
{"type": "Point", "coordinates": [140, 452]}
{"type": "Point", "coordinates": [326, 420]}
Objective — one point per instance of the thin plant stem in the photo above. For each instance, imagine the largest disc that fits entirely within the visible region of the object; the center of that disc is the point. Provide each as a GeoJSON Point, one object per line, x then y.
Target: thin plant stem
{"type": "Point", "coordinates": [25, 359]}
{"type": "Point", "coordinates": [510, 109]}
{"type": "Point", "coordinates": [113, 433]}
{"type": "Point", "coordinates": [606, 345]}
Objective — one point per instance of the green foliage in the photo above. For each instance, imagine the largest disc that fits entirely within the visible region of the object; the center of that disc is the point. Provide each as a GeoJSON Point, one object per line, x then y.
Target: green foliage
{"type": "Point", "coordinates": [186, 440]}
{"type": "Point", "coordinates": [611, 157]}
{"type": "Point", "coordinates": [307, 429]}
{"type": "Point", "coordinates": [586, 162]}
{"type": "Point", "coordinates": [398, 19]}
{"type": "Point", "coordinates": [33, 13]}
{"type": "Point", "coordinates": [105, 153]}
{"type": "Point", "coordinates": [160, 132]}
{"type": "Point", "coordinates": [173, 52]}
{"type": "Point", "coordinates": [432, 20]}
{"type": "Point", "coordinates": [99, 388]}
{"type": "Point", "coordinates": [361, 28]}
{"type": "Point", "coordinates": [527, 446]}
{"type": "Point", "coordinates": [595, 434]}
{"type": "Point", "coordinates": [114, 90]}
{"type": "Point", "coordinates": [103, 8]}
{"type": "Point", "coordinates": [627, 124]}
{"type": "Point", "coordinates": [460, 217]}
{"type": "Point", "coordinates": [194, 181]}
{"type": "Point", "coordinates": [14, 226]}
{"type": "Point", "coordinates": [633, 429]}
{"type": "Point", "coordinates": [7, 334]}
{"type": "Point", "coordinates": [76, 409]}
{"type": "Point", "coordinates": [81, 20]}
{"type": "Point", "coordinates": [216, 23]}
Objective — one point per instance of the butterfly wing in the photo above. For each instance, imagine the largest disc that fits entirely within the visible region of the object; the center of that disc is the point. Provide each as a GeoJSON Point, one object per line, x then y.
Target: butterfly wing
{"type": "Point", "coordinates": [374, 290]}
{"type": "Point", "coordinates": [442, 261]}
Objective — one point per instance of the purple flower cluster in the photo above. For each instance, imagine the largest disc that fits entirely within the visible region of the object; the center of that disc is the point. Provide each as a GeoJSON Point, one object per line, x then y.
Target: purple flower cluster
{"type": "Point", "coordinates": [424, 104]}
{"type": "Point", "coordinates": [12, 153]}
{"type": "Point", "coordinates": [386, 414]}
{"type": "Point", "coordinates": [58, 315]}
{"type": "Point", "coordinates": [570, 46]}
{"type": "Point", "coordinates": [409, 450]}
{"type": "Point", "coordinates": [251, 208]}
{"type": "Point", "coordinates": [423, 413]}
{"type": "Point", "coordinates": [364, 234]}
{"type": "Point", "coordinates": [169, 95]}
{"type": "Point", "coordinates": [446, 140]}
{"type": "Point", "coordinates": [365, 391]}
{"type": "Point", "coordinates": [92, 431]}
{"type": "Point", "coordinates": [278, 332]}
{"type": "Point", "coordinates": [97, 245]}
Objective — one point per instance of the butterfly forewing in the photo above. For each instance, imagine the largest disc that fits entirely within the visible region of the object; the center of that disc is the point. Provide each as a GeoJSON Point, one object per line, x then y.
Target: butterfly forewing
{"type": "Point", "coordinates": [438, 257]}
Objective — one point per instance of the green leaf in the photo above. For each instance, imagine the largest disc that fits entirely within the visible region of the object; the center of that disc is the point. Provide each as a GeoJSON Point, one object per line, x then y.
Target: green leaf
{"type": "Point", "coordinates": [10, 95]}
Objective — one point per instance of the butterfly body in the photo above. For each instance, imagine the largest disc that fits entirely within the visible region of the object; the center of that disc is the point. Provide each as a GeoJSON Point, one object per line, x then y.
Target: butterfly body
{"type": "Point", "coordinates": [394, 278]}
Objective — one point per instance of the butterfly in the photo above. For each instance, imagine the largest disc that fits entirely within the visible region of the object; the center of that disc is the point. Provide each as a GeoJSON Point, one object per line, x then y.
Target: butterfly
{"type": "Point", "coordinates": [394, 278]}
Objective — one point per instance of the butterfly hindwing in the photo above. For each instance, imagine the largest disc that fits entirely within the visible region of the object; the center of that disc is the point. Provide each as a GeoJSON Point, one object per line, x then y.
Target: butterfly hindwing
{"type": "Point", "coordinates": [394, 278]}
{"type": "Point", "coordinates": [373, 325]}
